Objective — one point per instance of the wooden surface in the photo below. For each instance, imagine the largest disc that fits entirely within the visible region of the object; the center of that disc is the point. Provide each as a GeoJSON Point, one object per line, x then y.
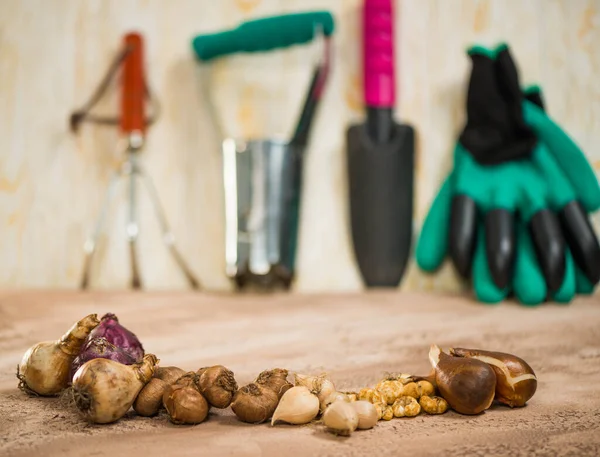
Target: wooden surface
{"type": "Point", "coordinates": [53, 53]}
{"type": "Point", "coordinates": [356, 338]}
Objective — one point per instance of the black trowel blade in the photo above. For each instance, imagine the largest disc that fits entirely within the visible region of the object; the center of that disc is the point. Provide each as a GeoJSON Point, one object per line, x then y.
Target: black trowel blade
{"type": "Point", "coordinates": [381, 180]}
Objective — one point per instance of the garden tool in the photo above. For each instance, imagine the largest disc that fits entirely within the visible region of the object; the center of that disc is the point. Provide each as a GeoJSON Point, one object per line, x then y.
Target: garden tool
{"type": "Point", "coordinates": [133, 127]}
{"type": "Point", "coordinates": [262, 177]}
{"type": "Point", "coordinates": [380, 161]}
{"type": "Point", "coordinates": [513, 213]}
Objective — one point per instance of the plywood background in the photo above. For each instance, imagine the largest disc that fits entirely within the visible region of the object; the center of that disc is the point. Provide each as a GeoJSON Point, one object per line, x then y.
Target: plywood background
{"type": "Point", "coordinates": [53, 52]}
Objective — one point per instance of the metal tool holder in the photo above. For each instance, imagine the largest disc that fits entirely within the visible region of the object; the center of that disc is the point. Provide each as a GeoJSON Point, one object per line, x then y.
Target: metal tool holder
{"type": "Point", "coordinates": [133, 126]}
{"type": "Point", "coordinates": [262, 177]}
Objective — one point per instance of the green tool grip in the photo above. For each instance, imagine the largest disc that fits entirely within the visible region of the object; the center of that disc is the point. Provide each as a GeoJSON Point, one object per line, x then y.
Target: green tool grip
{"type": "Point", "coordinates": [264, 34]}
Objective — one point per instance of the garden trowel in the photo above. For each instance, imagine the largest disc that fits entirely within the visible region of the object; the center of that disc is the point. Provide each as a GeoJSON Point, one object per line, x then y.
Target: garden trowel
{"type": "Point", "coordinates": [380, 161]}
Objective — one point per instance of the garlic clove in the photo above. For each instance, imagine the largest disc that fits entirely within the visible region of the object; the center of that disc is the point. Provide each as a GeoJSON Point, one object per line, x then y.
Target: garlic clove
{"type": "Point", "coordinates": [297, 406]}
{"type": "Point", "coordinates": [516, 381]}
{"type": "Point", "coordinates": [367, 414]}
{"type": "Point", "coordinates": [327, 388]}
{"type": "Point", "coordinates": [468, 385]}
{"type": "Point", "coordinates": [333, 397]}
{"type": "Point", "coordinates": [341, 418]}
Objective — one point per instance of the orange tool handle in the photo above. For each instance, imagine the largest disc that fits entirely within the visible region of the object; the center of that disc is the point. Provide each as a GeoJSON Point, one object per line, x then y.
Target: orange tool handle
{"type": "Point", "coordinates": [133, 86]}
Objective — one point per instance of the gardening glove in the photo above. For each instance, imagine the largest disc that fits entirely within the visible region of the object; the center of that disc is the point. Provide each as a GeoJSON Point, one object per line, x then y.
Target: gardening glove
{"type": "Point", "coordinates": [524, 280]}
{"type": "Point", "coordinates": [577, 175]}
{"type": "Point", "coordinates": [514, 169]}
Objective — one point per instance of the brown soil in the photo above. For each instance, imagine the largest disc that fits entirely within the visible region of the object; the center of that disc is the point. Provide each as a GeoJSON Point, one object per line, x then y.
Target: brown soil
{"type": "Point", "coordinates": [355, 338]}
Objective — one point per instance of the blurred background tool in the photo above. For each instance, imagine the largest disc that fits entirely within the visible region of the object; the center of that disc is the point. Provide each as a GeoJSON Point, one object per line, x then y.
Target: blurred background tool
{"type": "Point", "coordinates": [133, 125]}
{"type": "Point", "coordinates": [263, 177]}
{"type": "Point", "coordinates": [380, 161]}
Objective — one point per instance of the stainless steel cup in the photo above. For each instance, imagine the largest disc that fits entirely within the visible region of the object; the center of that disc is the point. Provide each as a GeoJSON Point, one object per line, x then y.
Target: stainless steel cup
{"type": "Point", "coordinates": [262, 181]}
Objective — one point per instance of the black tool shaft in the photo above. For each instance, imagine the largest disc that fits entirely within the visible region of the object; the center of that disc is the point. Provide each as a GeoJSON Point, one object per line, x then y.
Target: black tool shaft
{"type": "Point", "coordinates": [380, 124]}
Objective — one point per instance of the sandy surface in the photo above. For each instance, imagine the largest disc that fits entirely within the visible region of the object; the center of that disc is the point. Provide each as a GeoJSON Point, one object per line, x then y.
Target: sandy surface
{"type": "Point", "coordinates": [355, 338]}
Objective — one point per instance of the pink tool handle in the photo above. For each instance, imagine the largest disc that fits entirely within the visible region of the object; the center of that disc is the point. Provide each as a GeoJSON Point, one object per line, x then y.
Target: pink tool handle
{"type": "Point", "coordinates": [378, 53]}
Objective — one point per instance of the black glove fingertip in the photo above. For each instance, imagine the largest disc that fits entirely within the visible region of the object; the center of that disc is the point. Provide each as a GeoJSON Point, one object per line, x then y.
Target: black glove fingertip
{"type": "Point", "coordinates": [500, 245]}
{"type": "Point", "coordinates": [463, 234]}
{"type": "Point", "coordinates": [549, 246]}
{"type": "Point", "coordinates": [582, 240]}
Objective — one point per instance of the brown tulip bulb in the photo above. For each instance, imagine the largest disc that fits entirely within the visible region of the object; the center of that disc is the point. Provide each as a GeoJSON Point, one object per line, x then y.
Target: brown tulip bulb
{"type": "Point", "coordinates": [468, 385]}
{"type": "Point", "coordinates": [516, 381]}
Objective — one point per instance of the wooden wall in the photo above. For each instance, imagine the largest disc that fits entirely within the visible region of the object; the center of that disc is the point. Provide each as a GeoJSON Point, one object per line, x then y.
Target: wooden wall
{"type": "Point", "coordinates": [53, 53]}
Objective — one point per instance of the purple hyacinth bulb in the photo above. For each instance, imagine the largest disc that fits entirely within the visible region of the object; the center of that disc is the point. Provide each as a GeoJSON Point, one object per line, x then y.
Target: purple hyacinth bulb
{"type": "Point", "coordinates": [100, 348]}
{"type": "Point", "coordinates": [110, 329]}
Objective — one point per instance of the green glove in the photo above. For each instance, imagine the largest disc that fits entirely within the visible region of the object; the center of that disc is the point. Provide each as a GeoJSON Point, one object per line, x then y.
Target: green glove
{"type": "Point", "coordinates": [528, 269]}
{"type": "Point", "coordinates": [496, 213]}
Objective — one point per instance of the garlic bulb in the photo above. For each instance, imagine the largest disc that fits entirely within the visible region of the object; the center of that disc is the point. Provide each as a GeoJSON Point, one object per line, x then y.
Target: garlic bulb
{"type": "Point", "coordinates": [321, 386]}
{"type": "Point", "coordinates": [297, 406]}
{"type": "Point", "coordinates": [341, 418]}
